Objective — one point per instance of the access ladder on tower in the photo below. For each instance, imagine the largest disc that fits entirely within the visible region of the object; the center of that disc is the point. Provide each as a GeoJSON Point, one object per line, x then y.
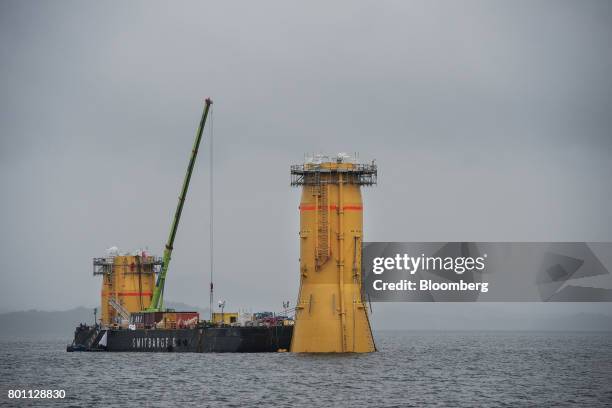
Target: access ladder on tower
{"type": "Point", "coordinates": [123, 312]}
{"type": "Point", "coordinates": [323, 232]}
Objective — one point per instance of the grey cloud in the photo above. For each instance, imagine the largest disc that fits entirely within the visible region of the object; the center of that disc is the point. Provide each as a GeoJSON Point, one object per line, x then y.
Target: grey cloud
{"type": "Point", "coordinates": [499, 111]}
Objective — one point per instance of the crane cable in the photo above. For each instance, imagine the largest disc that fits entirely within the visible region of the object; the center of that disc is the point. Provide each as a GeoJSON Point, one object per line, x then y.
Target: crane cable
{"type": "Point", "coordinates": [211, 212]}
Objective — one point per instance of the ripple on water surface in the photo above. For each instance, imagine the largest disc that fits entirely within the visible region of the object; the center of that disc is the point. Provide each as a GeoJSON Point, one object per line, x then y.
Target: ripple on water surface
{"type": "Point", "coordinates": [411, 369]}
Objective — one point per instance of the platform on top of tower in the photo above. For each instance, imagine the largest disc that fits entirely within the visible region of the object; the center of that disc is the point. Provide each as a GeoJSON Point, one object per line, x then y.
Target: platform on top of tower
{"type": "Point", "coordinates": [106, 266]}
{"type": "Point", "coordinates": [316, 165]}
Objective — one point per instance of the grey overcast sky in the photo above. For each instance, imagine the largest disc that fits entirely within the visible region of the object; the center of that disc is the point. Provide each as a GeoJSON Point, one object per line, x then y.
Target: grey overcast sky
{"type": "Point", "coordinates": [490, 121]}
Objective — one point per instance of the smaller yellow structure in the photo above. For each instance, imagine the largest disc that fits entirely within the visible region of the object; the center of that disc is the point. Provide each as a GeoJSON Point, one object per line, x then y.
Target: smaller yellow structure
{"type": "Point", "coordinates": [127, 284]}
{"type": "Point", "coordinates": [225, 317]}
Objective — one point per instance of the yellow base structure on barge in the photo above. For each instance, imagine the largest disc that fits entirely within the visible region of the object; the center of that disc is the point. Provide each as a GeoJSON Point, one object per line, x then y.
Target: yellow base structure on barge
{"type": "Point", "coordinates": [128, 281]}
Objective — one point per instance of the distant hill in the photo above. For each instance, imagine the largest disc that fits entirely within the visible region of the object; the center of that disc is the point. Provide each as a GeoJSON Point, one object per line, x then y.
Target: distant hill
{"type": "Point", "coordinates": [34, 324]}
{"type": "Point", "coordinates": [41, 324]}
{"type": "Point", "coordinates": [492, 316]}
{"type": "Point", "coordinates": [578, 322]}
{"type": "Point", "coordinates": [587, 322]}
{"type": "Point", "coordinates": [183, 307]}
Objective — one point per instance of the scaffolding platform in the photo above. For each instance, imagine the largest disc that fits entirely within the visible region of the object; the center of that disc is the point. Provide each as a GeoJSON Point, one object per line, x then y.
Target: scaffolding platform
{"type": "Point", "coordinates": [105, 266]}
{"type": "Point", "coordinates": [354, 173]}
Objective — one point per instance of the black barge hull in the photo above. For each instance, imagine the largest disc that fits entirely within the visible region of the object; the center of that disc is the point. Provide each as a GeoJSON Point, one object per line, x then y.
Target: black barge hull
{"type": "Point", "coordinates": [257, 339]}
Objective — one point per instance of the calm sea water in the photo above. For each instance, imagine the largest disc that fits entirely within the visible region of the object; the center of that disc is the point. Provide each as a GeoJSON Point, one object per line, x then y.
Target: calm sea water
{"type": "Point", "coordinates": [412, 369]}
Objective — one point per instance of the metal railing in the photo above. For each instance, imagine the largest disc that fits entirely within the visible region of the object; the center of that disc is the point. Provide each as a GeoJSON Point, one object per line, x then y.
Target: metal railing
{"type": "Point", "coordinates": [310, 174]}
{"type": "Point", "coordinates": [102, 266]}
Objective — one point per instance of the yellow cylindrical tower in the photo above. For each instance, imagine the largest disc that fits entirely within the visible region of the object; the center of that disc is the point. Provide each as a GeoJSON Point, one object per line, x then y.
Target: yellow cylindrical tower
{"type": "Point", "coordinates": [127, 285]}
{"type": "Point", "coordinates": [331, 314]}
